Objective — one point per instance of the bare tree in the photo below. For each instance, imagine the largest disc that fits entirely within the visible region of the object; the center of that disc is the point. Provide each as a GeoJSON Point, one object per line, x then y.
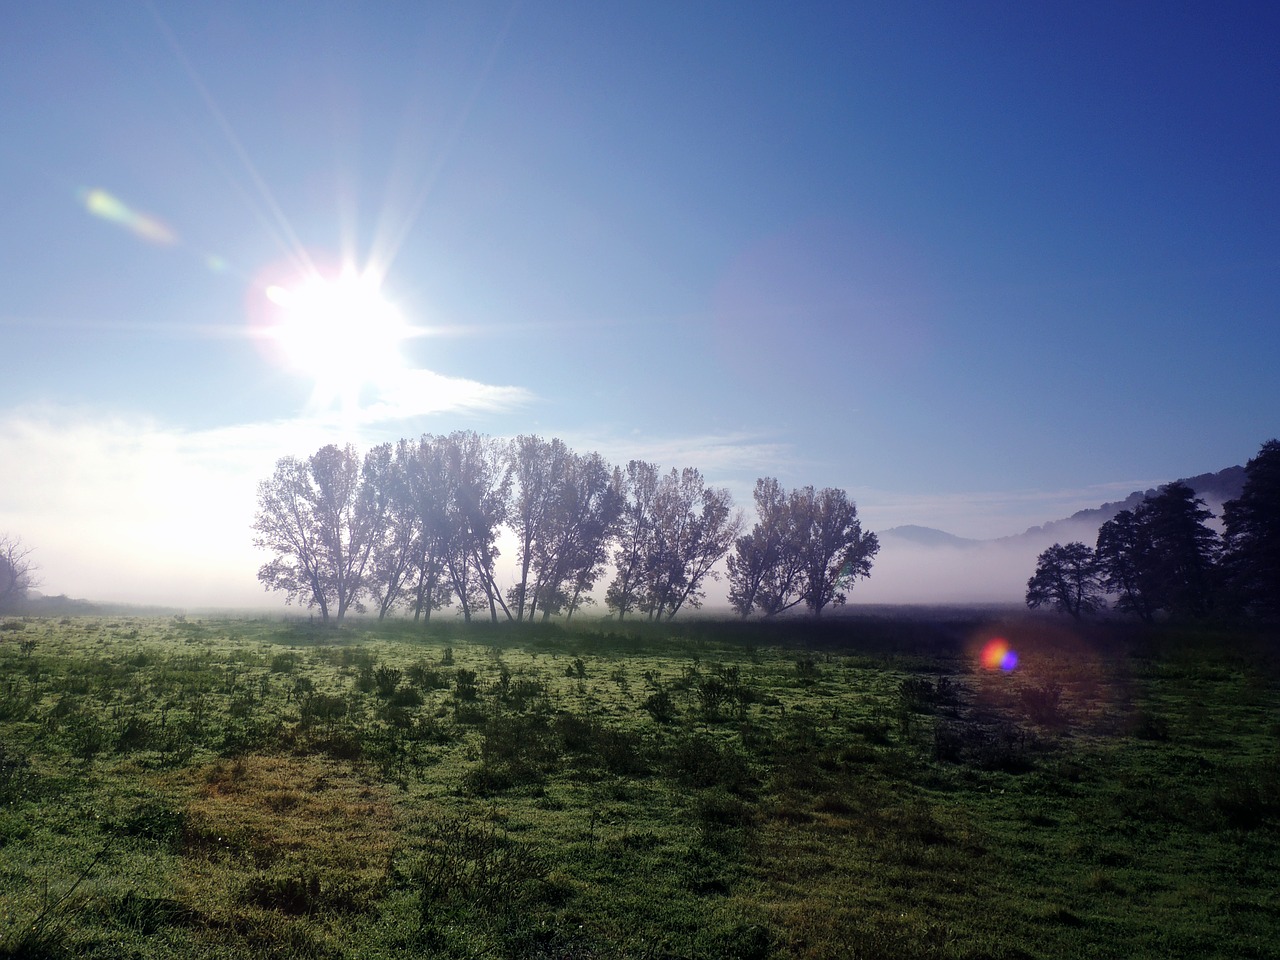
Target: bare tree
{"type": "Point", "coordinates": [321, 519]}
{"type": "Point", "coordinates": [17, 572]}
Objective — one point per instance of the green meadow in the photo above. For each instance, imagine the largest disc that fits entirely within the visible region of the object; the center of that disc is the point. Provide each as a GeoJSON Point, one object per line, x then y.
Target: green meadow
{"type": "Point", "coordinates": [863, 787]}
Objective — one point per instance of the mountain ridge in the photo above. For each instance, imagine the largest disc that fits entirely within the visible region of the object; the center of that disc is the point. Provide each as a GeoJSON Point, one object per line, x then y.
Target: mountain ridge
{"type": "Point", "coordinates": [1214, 488]}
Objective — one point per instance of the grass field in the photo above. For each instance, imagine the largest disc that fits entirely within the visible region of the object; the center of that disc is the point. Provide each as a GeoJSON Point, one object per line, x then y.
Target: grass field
{"type": "Point", "coordinates": [861, 788]}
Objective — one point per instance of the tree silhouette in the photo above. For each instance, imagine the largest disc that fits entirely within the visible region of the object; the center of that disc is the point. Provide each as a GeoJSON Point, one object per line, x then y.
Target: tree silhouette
{"type": "Point", "coordinates": [1252, 536]}
{"type": "Point", "coordinates": [693, 527]}
{"type": "Point", "coordinates": [1121, 557]}
{"type": "Point", "coordinates": [321, 519]}
{"type": "Point", "coordinates": [1183, 551]}
{"type": "Point", "coordinates": [17, 572]}
{"type": "Point", "coordinates": [806, 547]}
{"type": "Point", "coordinates": [634, 537]}
{"type": "Point", "coordinates": [1161, 556]}
{"type": "Point", "coordinates": [1066, 577]}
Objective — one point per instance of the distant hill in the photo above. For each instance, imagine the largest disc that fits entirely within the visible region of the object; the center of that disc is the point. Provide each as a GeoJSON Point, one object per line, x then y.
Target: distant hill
{"type": "Point", "coordinates": [927, 537]}
{"type": "Point", "coordinates": [1214, 488]}
{"type": "Point", "coordinates": [925, 565]}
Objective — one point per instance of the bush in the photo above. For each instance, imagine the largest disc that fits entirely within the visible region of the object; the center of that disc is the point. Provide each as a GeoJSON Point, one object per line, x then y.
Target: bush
{"type": "Point", "coordinates": [468, 864]}
{"type": "Point", "coordinates": [700, 763]}
{"type": "Point", "coordinates": [17, 780]}
{"type": "Point", "coordinates": [660, 706]}
{"type": "Point", "coordinates": [1043, 704]}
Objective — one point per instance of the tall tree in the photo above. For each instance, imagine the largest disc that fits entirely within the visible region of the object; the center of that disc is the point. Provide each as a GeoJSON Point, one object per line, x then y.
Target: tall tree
{"type": "Point", "coordinates": [1066, 577]}
{"type": "Point", "coordinates": [538, 468]}
{"type": "Point", "coordinates": [1183, 551]}
{"type": "Point", "coordinates": [320, 519]}
{"type": "Point", "coordinates": [426, 495]}
{"type": "Point", "coordinates": [477, 493]}
{"type": "Point", "coordinates": [1252, 536]}
{"type": "Point", "coordinates": [1162, 556]}
{"type": "Point", "coordinates": [694, 527]}
{"type": "Point", "coordinates": [635, 534]}
{"type": "Point", "coordinates": [807, 547]}
{"type": "Point", "coordinates": [583, 515]}
{"type": "Point", "coordinates": [1121, 555]}
{"type": "Point", "coordinates": [393, 564]}
{"type": "Point", "coordinates": [17, 571]}
{"type": "Point", "coordinates": [835, 551]}
{"type": "Point", "coordinates": [765, 568]}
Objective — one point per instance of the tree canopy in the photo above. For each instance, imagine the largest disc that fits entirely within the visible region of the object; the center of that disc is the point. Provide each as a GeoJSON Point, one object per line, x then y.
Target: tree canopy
{"type": "Point", "coordinates": [1252, 536]}
{"type": "Point", "coordinates": [1067, 579]}
{"type": "Point", "coordinates": [416, 526]}
{"type": "Point", "coordinates": [807, 546]}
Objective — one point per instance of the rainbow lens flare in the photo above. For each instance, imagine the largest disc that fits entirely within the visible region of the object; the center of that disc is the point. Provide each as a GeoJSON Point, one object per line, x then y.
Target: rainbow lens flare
{"type": "Point", "coordinates": [104, 205]}
{"type": "Point", "coordinates": [997, 655]}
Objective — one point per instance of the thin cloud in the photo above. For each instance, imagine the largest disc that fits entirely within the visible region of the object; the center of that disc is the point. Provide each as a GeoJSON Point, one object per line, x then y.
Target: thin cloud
{"type": "Point", "coordinates": [420, 393]}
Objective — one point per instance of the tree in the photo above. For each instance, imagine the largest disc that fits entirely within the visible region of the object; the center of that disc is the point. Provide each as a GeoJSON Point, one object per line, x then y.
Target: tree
{"type": "Point", "coordinates": [321, 519]}
{"type": "Point", "coordinates": [564, 511]}
{"type": "Point", "coordinates": [425, 501]}
{"type": "Point", "coordinates": [1252, 536]}
{"type": "Point", "coordinates": [693, 527]}
{"type": "Point", "coordinates": [765, 568]}
{"type": "Point", "coordinates": [1121, 556]}
{"type": "Point", "coordinates": [1183, 551]}
{"type": "Point", "coordinates": [395, 550]}
{"type": "Point", "coordinates": [835, 551]}
{"type": "Point", "coordinates": [634, 538]}
{"type": "Point", "coordinates": [1161, 556]}
{"type": "Point", "coordinates": [807, 547]}
{"type": "Point", "coordinates": [1067, 578]}
{"type": "Point", "coordinates": [537, 467]}
{"type": "Point", "coordinates": [477, 489]}
{"type": "Point", "coordinates": [583, 517]}
{"type": "Point", "coordinates": [17, 571]}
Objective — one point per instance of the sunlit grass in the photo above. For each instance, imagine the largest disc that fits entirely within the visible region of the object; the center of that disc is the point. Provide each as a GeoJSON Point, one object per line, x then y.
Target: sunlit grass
{"type": "Point", "coordinates": [230, 788]}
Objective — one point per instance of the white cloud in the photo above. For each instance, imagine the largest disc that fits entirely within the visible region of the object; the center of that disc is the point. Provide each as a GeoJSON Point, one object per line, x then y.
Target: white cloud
{"type": "Point", "coordinates": [418, 393]}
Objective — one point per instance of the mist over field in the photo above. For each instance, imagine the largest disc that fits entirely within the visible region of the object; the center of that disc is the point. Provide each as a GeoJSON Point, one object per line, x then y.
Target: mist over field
{"type": "Point", "coordinates": [110, 553]}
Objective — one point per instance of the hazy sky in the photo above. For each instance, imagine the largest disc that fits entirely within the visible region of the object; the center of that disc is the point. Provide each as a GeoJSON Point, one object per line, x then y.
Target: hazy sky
{"type": "Point", "coordinates": [980, 264]}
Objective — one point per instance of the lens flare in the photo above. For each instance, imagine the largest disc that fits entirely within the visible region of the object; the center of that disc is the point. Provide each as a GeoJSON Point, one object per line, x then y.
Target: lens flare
{"type": "Point", "coordinates": [997, 655]}
{"type": "Point", "coordinates": [107, 207]}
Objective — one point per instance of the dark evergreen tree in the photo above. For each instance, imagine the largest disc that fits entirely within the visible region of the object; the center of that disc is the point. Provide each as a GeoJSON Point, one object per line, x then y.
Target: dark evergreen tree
{"type": "Point", "coordinates": [1252, 536]}
{"type": "Point", "coordinates": [1162, 556]}
{"type": "Point", "coordinates": [1180, 567]}
{"type": "Point", "coordinates": [1121, 557]}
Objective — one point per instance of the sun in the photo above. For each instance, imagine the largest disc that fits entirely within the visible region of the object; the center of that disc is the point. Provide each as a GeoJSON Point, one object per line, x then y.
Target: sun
{"type": "Point", "coordinates": [339, 331]}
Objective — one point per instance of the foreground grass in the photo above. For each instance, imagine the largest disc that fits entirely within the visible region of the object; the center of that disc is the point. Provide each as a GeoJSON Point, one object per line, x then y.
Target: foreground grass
{"type": "Point", "coordinates": [233, 788]}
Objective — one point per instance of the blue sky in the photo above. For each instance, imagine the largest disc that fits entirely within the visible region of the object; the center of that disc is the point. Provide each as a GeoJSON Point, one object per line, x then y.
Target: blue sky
{"type": "Point", "coordinates": [980, 264]}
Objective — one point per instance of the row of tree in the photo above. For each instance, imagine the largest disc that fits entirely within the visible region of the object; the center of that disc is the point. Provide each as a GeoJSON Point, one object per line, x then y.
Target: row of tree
{"type": "Point", "coordinates": [1163, 558]}
{"type": "Point", "coordinates": [415, 526]}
